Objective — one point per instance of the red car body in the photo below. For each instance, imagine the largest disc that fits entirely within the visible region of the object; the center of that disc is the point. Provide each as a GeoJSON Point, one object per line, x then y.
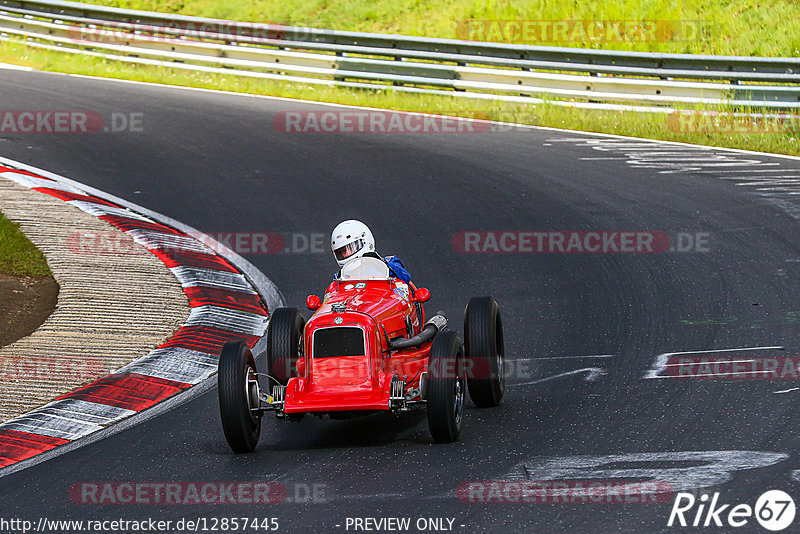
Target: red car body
{"type": "Point", "coordinates": [381, 310]}
{"type": "Point", "coordinates": [368, 348]}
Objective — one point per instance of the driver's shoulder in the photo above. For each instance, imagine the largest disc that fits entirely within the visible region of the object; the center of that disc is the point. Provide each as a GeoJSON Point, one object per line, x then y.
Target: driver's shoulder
{"type": "Point", "coordinates": [372, 254]}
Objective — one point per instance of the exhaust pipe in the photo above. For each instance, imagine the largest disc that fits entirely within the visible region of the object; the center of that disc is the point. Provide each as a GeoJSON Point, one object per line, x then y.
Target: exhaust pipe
{"type": "Point", "coordinates": [435, 324]}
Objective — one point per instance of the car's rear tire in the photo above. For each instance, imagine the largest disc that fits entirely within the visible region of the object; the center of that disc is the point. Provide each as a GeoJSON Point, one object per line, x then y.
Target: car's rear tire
{"type": "Point", "coordinates": [238, 395]}
{"type": "Point", "coordinates": [446, 387]}
{"type": "Point", "coordinates": [284, 343]}
{"type": "Point", "coordinates": [484, 346]}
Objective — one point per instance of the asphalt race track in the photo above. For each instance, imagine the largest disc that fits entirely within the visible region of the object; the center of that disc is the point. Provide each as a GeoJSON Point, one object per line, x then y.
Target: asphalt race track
{"type": "Point", "coordinates": [583, 330]}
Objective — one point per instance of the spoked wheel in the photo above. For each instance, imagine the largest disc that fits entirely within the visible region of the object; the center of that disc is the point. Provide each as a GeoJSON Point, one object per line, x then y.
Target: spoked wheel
{"type": "Point", "coordinates": [239, 397]}
{"type": "Point", "coordinates": [284, 343]}
{"type": "Point", "coordinates": [483, 340]}
{"type": "Point", "coordinates": [446, 387]}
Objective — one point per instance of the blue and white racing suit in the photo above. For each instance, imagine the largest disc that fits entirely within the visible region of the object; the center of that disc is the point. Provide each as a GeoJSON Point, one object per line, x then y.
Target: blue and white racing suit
{"type": "Point", "coordinates": [398, 269]}
{"type": "Point", "coordinates": [394, 263]}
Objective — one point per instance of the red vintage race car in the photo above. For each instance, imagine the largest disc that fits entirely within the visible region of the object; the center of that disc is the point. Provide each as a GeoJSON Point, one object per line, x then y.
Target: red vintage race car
{"type": "Point", "coordinates": [369, 347]}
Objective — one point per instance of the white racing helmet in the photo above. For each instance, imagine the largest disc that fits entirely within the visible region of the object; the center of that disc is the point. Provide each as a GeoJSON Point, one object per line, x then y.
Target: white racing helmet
{"type": "Point", "coordinates": [351, 239]}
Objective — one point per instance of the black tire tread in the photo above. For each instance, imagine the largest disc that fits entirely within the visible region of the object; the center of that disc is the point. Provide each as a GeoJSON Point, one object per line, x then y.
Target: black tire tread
{"type": "Point", "coordinates": [481, 319]}
{"type": "Point", "coordinates": [283, 335]}
{"type": "Point", "coordinates": [240, 430]}
{"type": "Point", "coordinates": [441, 421]}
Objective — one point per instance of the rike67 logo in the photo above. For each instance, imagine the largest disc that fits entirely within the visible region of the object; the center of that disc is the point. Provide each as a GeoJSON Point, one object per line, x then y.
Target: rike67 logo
{"type": "Point", "coordinates": [774, 510]}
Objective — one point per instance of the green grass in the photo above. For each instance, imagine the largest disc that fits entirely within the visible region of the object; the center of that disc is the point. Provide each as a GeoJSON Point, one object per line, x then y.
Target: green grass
{"type": "Point", "coordinates": [646, 125]}
{"type": "Point", "coordinates": [740, 27]}
{"type": "Point", "coordinates": [18, 256]}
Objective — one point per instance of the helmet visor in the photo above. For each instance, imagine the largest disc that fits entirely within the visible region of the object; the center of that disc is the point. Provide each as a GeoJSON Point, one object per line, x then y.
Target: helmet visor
{"type": "Point", "coordinates": [342, 253]}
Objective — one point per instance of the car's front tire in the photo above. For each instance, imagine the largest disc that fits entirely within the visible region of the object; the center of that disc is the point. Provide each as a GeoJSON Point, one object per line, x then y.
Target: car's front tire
{"type": "Point", "coordinates": [238, 397]}
{"type": "Point", "coordinates": [446, 387]}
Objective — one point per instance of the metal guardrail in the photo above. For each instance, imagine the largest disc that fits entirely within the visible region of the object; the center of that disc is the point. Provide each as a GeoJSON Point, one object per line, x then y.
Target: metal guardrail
{"type": "Point", "coordinates": [357, 59]}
